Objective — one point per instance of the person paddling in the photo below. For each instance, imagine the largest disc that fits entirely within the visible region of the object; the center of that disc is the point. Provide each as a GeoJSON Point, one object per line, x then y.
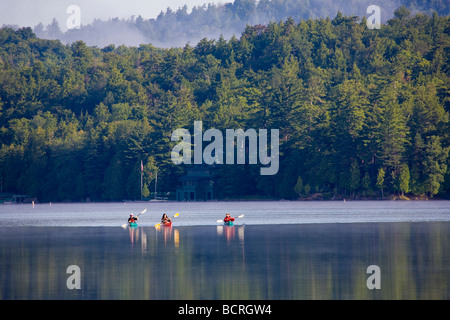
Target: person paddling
{"type": "Point", "coordinates": [228, 218]}
{"type": "Point", "coordinates": [165, 219]}
{"type": "Point", "coordinates": [132, 218]}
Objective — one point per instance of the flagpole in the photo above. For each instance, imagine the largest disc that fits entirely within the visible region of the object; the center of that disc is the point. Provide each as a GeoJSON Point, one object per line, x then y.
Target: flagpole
{"type": "Point", "coordinates": [142, 171]}
{"type": "Point", "coordinates": [156, 182]}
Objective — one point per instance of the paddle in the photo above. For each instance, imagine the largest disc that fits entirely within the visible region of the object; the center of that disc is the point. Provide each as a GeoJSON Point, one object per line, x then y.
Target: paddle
{"type": "Point", "coordinates": [241, 216]}
{"type": "Point", "coordinates": [143, 211]}
{"type": "Point", "coordinates": [174, 216]}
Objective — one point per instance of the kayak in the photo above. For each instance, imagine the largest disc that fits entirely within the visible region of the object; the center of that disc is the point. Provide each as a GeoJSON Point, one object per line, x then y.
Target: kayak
{"type": "Point", "coordinates": [132, 224]}
{"type": "Point", "coordinates": [166, 224]}
{"type": "Point", "coordinates": [228, 223]}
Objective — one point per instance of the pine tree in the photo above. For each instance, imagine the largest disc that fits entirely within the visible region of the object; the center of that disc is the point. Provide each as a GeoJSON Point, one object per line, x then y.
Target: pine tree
{"type": "Point", "coordinates": [403, 179]}
{"type": "Point", "coordinates": [380, 181]}
{"type": "Point", "coordinates": [145, 191]}
{"type": "Point", "coordinates": [393, 131]}
{"type": "Point", "coordinates": [287, 93]}
{"type": "Point", "coordinates": [299, 186]}
{"type": "Point", "coordinates": [435, 165]}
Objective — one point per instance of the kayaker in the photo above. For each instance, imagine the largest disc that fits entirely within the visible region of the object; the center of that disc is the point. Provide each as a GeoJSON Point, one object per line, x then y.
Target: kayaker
{"type": "Point", "coordinates": [132, 218]}
{"type": "Point", "coordinates": [228, 218]}
{"type": "Point", "coordinates": [165, 219]}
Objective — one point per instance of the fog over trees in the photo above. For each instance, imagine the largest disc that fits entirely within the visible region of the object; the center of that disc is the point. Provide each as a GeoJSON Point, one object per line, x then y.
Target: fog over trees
{"type": "Point", "coordinates": [178, 26]}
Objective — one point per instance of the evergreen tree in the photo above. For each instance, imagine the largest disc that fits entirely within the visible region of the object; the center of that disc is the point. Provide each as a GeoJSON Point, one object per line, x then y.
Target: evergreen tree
{"type": "Point", "coordinates": [435, 165]}
{"type": "Point", "coordinates": [380, 180]}
{"type": "Point", "coordinates": [299, 186]}
{"type": "Point", "coordinates": [403, 179]}
{"type": "Point", "coordinates": [393, 131]}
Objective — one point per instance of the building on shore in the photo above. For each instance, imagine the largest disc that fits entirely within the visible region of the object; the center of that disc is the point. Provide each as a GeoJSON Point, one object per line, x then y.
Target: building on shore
{"type": "Point", "coordinates": [198, 184]}
{"type": "Point", "coordinates": [9, 198]}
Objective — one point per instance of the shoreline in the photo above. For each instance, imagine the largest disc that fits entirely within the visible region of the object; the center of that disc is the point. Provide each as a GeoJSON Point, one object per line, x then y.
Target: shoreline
{"type": "Point", "coordinates": [309, 199]}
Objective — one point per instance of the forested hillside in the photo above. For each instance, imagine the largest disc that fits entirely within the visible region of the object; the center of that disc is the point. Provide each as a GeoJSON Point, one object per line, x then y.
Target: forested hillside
{"type": "Point", "coordinates": [178, 26]}
{"type": "Point", "coordinates": [362, 113]}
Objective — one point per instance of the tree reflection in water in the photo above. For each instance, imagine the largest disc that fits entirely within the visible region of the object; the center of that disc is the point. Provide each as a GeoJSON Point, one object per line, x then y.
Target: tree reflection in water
{"type": "Point", "coordinates": [315, 261]}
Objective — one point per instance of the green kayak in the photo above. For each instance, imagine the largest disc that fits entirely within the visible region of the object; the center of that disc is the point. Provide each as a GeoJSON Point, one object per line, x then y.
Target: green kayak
{"type": "Point", "coordinates": [133, 224]}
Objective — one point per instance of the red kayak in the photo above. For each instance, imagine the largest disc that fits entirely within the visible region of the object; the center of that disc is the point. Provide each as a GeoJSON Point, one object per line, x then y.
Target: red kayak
{"type": "Point", "coordinates": [166, 224]}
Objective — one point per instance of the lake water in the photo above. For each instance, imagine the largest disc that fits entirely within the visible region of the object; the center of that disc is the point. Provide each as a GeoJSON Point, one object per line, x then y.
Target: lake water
{"type": "Point", "coordinates": [278, 250]}
{"type": "Point", "coordinates": [207, 213]}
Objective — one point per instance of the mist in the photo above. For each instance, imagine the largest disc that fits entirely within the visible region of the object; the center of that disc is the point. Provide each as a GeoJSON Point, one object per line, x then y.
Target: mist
{"type": "Point", "coordinates": [175, 23]}
{"type": "Point", "coordinates": [29, 13]}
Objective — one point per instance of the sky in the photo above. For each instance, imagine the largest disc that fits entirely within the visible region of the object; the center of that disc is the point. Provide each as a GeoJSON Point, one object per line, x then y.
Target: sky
{"type": "Point", "coordinates": [29, 13]}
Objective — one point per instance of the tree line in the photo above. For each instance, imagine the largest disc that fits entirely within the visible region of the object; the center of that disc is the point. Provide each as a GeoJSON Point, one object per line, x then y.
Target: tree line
{"type": "Point", "coordinates": [362, 113]}
{"type": "Point", "coordinates": [176, 27]}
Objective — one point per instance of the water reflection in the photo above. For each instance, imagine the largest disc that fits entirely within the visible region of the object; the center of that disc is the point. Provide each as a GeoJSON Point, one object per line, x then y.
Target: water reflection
{"type": "Point", "coordinates": [169, 235]}
{"type": "Point", "coordinates": [134, 234]}
{"type": "Point", "coordinates": [229, 232]}
{"type": "Point", "coordinates": [239, 262]}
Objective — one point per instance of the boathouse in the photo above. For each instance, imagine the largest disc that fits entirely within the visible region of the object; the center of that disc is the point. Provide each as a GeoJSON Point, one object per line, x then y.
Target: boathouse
{"type": "Point", "coordinates": [198, 184]}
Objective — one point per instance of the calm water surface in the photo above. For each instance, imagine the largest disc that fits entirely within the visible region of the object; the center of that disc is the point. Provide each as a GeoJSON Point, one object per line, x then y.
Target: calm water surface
{"type": "Point", "coordinates": [207, 213]}
{"type": "Point", "coordinates": [315, 250]}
